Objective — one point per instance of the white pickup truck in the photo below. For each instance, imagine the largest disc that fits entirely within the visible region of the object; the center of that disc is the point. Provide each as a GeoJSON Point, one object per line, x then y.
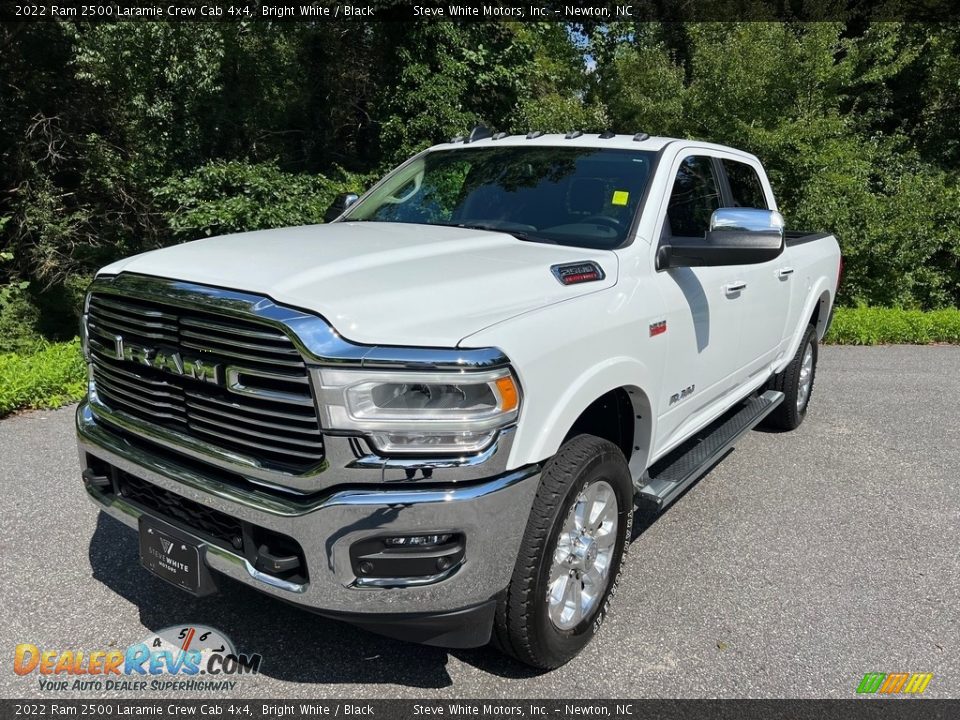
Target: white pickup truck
{"type": "Point", "coordinates": [434, 416]}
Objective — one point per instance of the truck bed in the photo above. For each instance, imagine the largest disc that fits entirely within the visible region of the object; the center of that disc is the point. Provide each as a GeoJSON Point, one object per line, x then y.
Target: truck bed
{"type": "Point", "coordinates": [799, 237]}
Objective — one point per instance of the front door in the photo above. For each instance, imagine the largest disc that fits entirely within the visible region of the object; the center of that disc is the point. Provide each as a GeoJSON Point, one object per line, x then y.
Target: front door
{"type": "Point", "coordinates": [705, 311]}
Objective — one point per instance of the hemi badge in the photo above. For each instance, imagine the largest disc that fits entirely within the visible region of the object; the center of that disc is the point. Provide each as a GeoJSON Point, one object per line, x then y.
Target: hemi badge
{"type": "Point", "coordinates": [658, 328]}
{"type": "Point", "coordinates": [575, 273]}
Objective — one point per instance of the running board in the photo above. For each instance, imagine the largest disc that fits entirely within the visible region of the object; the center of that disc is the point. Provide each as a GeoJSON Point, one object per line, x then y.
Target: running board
{"type": "Point", "coordinates": [667, 478]}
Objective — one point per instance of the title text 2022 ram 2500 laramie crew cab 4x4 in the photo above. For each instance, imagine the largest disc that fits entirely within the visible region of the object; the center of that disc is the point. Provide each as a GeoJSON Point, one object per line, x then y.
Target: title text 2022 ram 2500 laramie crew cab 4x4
{"type": "Point", "coordinates": [433, 416]}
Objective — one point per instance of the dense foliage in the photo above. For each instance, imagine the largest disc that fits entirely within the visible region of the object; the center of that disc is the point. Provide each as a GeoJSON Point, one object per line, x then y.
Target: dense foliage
{"type": "Point", "coordinates": [123, 137]}
{"type": "Point", "coordinates": [46, 377]}
{"type": "Point", "coordinates": [890, 326]}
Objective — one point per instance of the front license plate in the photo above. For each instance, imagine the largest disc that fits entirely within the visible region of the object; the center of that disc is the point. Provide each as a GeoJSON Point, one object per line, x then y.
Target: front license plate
{"type": "Point", "coordinates": [169, 556]}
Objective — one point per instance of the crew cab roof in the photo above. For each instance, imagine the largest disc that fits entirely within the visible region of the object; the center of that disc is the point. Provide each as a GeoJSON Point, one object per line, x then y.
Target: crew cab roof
{"type": "Point", "coordinates": [593, 140]}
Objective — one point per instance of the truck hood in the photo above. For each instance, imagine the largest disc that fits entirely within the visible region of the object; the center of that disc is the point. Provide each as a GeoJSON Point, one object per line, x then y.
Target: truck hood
{"type": "Point", "coordinates": [383, 283]}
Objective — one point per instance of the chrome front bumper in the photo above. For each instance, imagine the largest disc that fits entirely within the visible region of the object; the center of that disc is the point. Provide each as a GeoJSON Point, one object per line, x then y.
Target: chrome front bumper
{"type": "Point", "coordinates": [491, 513]}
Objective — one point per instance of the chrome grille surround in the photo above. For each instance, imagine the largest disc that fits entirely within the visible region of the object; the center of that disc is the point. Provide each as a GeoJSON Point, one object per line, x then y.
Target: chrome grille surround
{"type": "Point", "coordinates": [197, 399]}
{"type": "Point", "coordinates": [239, 385]}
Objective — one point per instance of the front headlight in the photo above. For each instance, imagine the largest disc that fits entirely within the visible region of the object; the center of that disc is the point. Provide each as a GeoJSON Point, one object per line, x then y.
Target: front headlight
{"type": "Point", "coordinates": [418, 412]}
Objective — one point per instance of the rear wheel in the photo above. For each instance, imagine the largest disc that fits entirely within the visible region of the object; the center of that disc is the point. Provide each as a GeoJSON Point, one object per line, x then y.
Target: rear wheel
{"type": "Point", "coordinates": [796, 383]}
{"type": "Point", "coordinates": [570, 556]}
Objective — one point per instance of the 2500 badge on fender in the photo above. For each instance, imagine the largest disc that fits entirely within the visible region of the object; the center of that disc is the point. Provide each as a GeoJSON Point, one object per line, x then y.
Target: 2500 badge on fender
{"type": "Point", "coordinates": [434, 415]}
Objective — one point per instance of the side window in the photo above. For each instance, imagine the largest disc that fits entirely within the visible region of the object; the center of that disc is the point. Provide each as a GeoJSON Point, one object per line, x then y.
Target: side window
{"type": "Point", "coordinates": [695, 195]}
{"type": "Point", "coordinates": [745, 185]}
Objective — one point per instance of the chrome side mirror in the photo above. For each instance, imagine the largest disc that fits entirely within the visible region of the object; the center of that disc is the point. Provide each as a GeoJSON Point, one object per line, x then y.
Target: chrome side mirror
{"type": "Point", "coordinates": [339, 206]}
{"type": "Point", "coordinates": [747, 220]}
{"type": "Point", "coordinates": [737, 236]}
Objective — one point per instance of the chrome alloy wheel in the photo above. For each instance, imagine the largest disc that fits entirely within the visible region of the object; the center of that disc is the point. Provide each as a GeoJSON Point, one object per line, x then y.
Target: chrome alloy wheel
{"type": "Point", "coordinates": [581, 563]}
{"type": "Point", "coordinates": [805, 379]}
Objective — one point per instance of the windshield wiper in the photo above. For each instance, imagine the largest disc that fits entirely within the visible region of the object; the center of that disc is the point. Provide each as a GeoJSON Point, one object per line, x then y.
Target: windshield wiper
{"type": "Point", "coordinates": [489, 227]}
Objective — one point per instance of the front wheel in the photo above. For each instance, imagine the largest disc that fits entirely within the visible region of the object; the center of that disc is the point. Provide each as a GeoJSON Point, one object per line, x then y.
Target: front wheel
{"type": "Point", "coordinates": [570, 556]}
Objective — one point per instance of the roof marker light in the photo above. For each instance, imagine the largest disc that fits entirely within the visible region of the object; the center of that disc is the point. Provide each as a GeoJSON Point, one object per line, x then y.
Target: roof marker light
{"type": "Point", "coordinates": [480, 132]}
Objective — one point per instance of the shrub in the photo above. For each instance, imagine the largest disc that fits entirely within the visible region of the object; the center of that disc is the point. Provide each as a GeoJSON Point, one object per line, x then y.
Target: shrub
{"type": "Point", "coordinates": [18, 318]}
{"type": "Point", "coordinates": [28, 313]}
{"type": "Point", "coordinates": [881, 326]}
{"type": "Point", "coordinates": [49, 376]}
{"type": "Point", "coordinates": [229, 197]}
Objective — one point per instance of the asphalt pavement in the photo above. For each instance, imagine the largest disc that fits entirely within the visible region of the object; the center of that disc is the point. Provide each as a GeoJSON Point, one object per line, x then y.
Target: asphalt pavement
{"type": "Point", "coordinates": [799, 563]}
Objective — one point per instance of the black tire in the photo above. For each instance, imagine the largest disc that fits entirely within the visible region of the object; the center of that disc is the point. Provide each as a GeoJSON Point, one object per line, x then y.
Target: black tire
{"type": "Point", "coordinates": [787, 416]}
{"type": "Point", "coordinates": [522, 626]}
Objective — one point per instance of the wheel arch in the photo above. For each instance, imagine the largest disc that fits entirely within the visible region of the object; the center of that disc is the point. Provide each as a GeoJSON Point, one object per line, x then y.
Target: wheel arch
{"type": "Point", "coordinates": [816, 310]}
{"type": "Point", "coordinates": [820, 317]}
{"type": "Point", "coordinates": [614, 390]}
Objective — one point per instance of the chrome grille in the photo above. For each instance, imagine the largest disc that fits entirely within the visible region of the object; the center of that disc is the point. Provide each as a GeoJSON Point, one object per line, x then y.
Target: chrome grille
{"type": "Point", "coordinates": [260, 404]}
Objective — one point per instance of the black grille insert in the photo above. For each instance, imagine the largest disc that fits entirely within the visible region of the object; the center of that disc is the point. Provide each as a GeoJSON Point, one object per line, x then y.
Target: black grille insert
{"type": "Point", "coordinates": [146, 357]}
{"type": "Point", "coordinates": [254, 542]}
{"type": "Point", "coordinates": [209, 522]}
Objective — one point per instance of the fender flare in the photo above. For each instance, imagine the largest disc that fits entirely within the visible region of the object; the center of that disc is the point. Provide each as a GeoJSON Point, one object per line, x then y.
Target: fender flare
{"type": "Point", "coordinates": [819, 292]}
{"type": "Point", "coordinates": [614, 373]}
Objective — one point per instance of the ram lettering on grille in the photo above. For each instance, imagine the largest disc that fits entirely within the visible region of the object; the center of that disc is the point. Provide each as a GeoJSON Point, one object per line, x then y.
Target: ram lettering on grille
{"type": "Point", "coordinates": [167, 360]}
{"type": "Point", "coordinates": [235, 383]}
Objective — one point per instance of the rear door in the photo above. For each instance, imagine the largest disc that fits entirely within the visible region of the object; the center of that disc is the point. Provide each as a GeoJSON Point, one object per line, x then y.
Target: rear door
{"type": "Point", "coordinates": [703, 315]}
{"type": "Point", "coordinates": [768, 287]}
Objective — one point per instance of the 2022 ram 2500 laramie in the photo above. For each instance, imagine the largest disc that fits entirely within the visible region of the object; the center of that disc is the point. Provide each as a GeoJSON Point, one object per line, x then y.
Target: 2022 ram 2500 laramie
{"type": "Point", "coordinates": [434, 416]}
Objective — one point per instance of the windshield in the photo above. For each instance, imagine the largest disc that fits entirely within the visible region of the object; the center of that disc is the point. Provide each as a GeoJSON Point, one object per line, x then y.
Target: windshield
{"type": "Point", "coordinates": [584, 197]}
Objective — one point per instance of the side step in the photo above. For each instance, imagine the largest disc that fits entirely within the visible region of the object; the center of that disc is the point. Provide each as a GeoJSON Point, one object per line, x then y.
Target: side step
{"type": "Point", "coordinates": [663, 482]}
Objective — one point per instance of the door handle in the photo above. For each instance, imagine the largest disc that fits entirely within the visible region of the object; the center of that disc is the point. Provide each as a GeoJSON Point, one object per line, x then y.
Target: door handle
{"type": "Point", "coordinates": [734, 287]}
{"type": "Point", "coordinates": [784, 272]}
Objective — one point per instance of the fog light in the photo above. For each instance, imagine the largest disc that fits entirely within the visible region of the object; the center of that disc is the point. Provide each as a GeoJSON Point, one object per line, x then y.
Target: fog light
{"type": "Point", "coordinates": [416, 540]}
{"type": "Point", "coordinates": [403, 560]}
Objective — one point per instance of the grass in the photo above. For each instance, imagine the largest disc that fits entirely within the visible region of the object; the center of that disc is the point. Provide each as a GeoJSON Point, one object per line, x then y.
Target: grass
{"type": "Point", "coordinates": [50, 376]}
{"type": "Point", "coordinates": [890, 326]}
{"type": "Point", "coordinates": [53, 374]}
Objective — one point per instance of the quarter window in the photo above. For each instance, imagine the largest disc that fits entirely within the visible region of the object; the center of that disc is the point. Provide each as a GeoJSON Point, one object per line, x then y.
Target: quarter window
{"type": "Point", "coordinates": [745, 185]}
{"type": "Point", "coordinates": [695, 195]}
